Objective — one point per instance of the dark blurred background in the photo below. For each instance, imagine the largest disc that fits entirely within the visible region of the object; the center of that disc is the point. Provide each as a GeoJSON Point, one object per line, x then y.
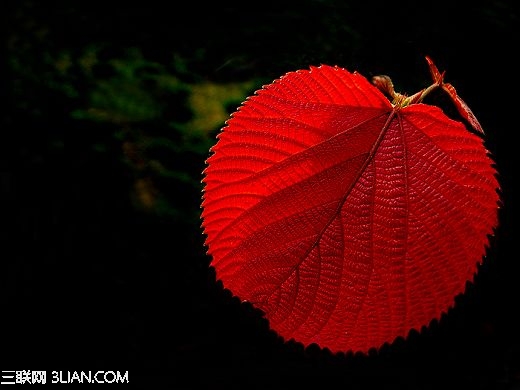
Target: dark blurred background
{"type": "Point", "coordinates": [103, 262]}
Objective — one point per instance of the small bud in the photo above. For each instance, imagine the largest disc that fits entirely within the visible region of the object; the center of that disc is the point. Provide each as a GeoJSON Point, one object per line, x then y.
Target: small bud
{"type": "Point", "coordinates": [384, 84]}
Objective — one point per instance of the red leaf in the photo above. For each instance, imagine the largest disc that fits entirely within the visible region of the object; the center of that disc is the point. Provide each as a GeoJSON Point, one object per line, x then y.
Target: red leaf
{"type": "Point", "coordinates": [347, 219]}
{"type": "Point", "coordinates": [461, 105]}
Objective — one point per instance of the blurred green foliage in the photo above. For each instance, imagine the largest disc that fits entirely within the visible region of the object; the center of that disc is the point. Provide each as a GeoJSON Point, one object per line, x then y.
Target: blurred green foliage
{"type": "Point", "coordinates": [160, 120]}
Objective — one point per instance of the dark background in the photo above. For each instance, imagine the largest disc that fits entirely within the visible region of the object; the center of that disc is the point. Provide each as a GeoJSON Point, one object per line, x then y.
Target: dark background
{"type": "Point", "coordinates": [103, 262]}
